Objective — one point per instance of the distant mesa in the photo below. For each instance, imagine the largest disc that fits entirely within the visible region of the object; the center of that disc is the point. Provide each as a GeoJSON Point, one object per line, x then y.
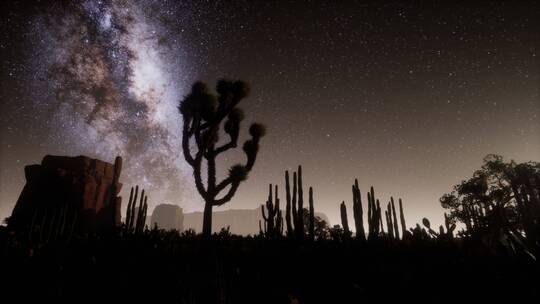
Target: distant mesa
{"type": "Point", "coordinates": [240, 221]}
{"type": "Point", "coordinates": [78, 190]}
{"type": "Point", "coordinates": [168, 217]}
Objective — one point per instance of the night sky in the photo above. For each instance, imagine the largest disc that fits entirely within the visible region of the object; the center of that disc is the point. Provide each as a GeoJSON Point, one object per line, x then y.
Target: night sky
{"type": "Point", "coordinates": [404, 97]}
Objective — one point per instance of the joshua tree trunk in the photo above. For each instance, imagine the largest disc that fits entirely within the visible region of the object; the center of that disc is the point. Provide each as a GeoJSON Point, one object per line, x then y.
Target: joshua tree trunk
{"type": "Point", "coordinates": [207, 219]}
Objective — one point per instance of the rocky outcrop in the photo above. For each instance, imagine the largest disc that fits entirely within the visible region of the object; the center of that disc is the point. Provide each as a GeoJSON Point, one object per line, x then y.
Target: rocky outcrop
{"type": "Point", "coordinates": [167, 216]}
{"type": "Point", "coordinates": [240, 221]}
{"type": "Point", "coordinates": [80, 188]}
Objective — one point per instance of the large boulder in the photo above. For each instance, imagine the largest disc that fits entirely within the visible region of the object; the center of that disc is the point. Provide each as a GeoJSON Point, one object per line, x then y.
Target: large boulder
{"type": "Point", "coordinates": [69, 193]}
{"type": "Point", "coordinates": [168, 216]}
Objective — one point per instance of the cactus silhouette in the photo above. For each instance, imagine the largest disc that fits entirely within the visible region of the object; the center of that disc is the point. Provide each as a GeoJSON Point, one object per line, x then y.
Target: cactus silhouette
{"type": "Point", "coordinates": [136, 223]}
{"type": "Point", "coordinates": [299, 219]}
{"type": "Point", "coordinates": [344, 220]}
{"type": "Point", "coordinates": [311, 216]}
{"type": "Point", "coordinates": [273, 227]}
{"type": "Point", "coordinates": [203, 115]}
{"type": "Point", "coordinates": [374, 216]}
{"type": "Point", "coordinates": [389, 223]}
{"type": "Point", "coordinates": [394, 218]}
{"type": "Point", "coordinates": [358, 212]}
{"type": "Point", "coordinates": [405, 233]}
{"type": "Point", "coordinates": [299, 224]}
{"type": "Point", "coordinates": [295, 205]}
{"type": "Point", "coordinates": [290, 229]}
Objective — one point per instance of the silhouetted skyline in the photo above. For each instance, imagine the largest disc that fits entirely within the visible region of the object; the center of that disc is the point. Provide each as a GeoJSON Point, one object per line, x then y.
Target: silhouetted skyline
{"type": "Point", "coordinates": [403, 97]}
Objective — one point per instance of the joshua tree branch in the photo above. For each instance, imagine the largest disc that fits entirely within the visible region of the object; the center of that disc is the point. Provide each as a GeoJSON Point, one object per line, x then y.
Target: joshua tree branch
{"type": "Point", "coordinates": [185, 144]}
{"type": "Point", "coordinates": [228, 196]}
{"type": "Point", "coordinates": [225, 147]}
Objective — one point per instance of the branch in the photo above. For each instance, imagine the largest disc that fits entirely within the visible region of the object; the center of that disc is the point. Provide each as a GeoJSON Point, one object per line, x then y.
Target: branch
{"type": "Point", "coordinates": [185, 144]}
{"type": "Point", "coordinates": [198, 179]}
{"type": "Point", "coordinates": [224, 183]}
{"type": "Point", "coordinates": [197, 161]}
{"type": "Point", "coordinates": [228, 196]}
{"type": "Point", "coordinates": [225, 147]}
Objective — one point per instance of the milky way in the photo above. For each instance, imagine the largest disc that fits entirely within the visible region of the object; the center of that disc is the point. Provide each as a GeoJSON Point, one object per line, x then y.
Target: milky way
{"type": "Point", "coordinates": [109, 74]}
{"type": "Point", "coordinates": [406, 97]}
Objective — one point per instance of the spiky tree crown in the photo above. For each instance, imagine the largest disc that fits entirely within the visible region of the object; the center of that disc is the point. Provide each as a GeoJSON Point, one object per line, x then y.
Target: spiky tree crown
{"type": "Point", "coordinates": [238, 173]}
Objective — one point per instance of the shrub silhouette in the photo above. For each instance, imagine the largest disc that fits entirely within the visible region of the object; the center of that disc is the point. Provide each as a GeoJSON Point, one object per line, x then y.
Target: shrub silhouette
{"type": "Point", "coordinates": [203, 116]}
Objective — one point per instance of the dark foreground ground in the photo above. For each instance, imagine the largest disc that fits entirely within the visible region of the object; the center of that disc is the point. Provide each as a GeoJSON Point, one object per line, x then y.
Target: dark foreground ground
{"type": "Point", "coordinates": [171, 269]}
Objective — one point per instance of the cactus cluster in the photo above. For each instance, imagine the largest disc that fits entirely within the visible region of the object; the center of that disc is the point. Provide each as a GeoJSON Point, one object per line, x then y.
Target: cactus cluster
{"type": "Point", "coordinates": [294, 209]}
{"type": "Point", "coordinates": [136, 216]}
{"type": "Point", "coordinates": [358, 212]}
{"type": "Point", "coordinates": [374, 217]}
{"type": "Point", "coordinates": [391, 220]}
{"type": "Point", "coordinates": [344, 219]}
{"type": "Point", "coordinates": [296, 216]}
{"type": "Point", "coordinates": [273, 219]}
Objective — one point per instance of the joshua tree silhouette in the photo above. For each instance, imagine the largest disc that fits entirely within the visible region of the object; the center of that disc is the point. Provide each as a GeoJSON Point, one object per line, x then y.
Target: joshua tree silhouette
{"type": "Point", "coordinates": [203, 114]}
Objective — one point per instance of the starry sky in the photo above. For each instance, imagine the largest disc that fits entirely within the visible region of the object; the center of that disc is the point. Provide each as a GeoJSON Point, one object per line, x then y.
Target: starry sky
{"type": "Point", "coordinates": [406, 97]}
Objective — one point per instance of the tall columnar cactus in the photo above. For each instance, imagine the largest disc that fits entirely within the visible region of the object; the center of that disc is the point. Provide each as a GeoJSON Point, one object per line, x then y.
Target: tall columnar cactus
{"type": "Point", "coordinates": [203, 115]}
{"type": "Point", "coordinates": [389, 220]}
{"type": "Point", "coordinates": [295, 212]}
{"type": "Point", "coordinates": [344, 219]}
{"type": "Point", "coordinates": [395, 220]}
{"type": "Point", "coordinates": [141, 217]}
{"type": "Point", "coordinates": [311, 216]}
{"type": "Point", "coordinates": [297, 204]}
{"type": "Point", "coordinates": [290, 231]}
{"type": "Point", "coordinates": [379, 215]}
{"type": "Point", "coordinates": [374, 216]}
{"type": "Point", "coordinates": [273, 226]}
{"type": "Point", "coordinates": [404, 230]}
{"type": "Point", "coordinates": [299, 223]}
{"type": "Point", "coordinates": [129, 210]}
{"type": "Point", "coordinates": [358, 212]}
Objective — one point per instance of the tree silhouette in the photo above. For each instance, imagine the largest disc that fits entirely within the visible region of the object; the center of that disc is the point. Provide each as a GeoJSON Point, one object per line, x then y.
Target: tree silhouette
{"type": "Point", "coordinates": [500, 197]}
{"type": "Point", "coordinates": [203, 114]}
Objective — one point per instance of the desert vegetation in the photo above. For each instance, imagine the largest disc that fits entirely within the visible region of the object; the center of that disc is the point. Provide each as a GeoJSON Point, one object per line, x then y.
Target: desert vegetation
{"type": "Point", "coordinates": [296, 257]}
{"type": "Point", "coordinates": [53, 248]}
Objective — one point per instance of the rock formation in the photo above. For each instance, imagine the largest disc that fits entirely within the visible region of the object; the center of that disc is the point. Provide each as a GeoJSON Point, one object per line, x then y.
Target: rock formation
{"type": "Point", "coordinates": [79, 188]}
{"type": "Point", "coordinates": [167, 216]}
